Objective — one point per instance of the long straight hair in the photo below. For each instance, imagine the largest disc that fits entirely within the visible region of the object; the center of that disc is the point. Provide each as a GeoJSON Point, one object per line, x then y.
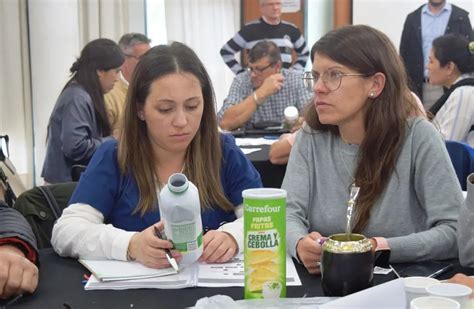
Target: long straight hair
{"type": "Point", "coordinates": [369, 51]}
{"type": "Point", "coordinates": [99, 54]}
{"type": "Point", "coordinates": [204, 154]}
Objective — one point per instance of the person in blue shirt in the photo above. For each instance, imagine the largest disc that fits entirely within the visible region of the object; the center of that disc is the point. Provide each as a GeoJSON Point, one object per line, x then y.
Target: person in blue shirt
{"type": "Point", "coordinates": [169, 126]}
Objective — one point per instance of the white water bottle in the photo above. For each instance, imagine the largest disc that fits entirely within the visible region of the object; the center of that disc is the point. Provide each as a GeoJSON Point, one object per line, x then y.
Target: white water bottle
{"type": "Point", "coordinates": [181, 213]}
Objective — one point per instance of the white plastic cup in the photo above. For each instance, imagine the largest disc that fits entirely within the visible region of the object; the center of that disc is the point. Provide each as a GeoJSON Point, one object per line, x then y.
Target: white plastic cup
{"type": "Point", "coordinates": [416, 287]}
{"type": "Point", "coordinates": [434, 302]}
{"type": "Point", "coordinates": [291, 114]}
{"type": "Point", "coordinates": [454, 291]}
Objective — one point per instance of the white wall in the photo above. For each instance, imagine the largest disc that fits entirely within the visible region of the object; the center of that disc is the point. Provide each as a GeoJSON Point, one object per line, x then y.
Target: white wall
{"type": "Point", "coordinates": [54, 44]}
{"type": "Point", "coordinates": [319, 20]}
{"type": "Point", "coordinates": [389, 15]}
{"type": "Point", "coordinates": [15, 113]}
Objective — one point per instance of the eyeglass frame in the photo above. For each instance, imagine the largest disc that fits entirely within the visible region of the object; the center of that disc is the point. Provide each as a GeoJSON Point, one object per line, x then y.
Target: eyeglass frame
{"type": "Point", "coordinates": [133, 56]}
{"type": "Point", "coordinates": [308, 77]}
{"type": "Point", "coordinates": [259, 71]}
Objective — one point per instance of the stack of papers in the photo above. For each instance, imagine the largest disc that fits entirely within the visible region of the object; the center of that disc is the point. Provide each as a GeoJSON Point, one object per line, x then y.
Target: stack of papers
{"type": "Point", "coordinates": [111, 275]}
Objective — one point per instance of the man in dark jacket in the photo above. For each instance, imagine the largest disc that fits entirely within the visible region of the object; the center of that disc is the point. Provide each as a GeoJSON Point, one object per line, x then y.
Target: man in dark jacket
{"type": "Point", "coordinates": [420, 29]}
{"type": "Point", "coordinates": [18, 254]}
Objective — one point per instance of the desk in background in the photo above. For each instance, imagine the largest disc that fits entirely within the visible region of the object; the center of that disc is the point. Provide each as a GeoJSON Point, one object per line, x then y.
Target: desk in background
{"type": "Point", "coordinates": [60, 286]}
{"type": "Point", "coordinates": [271, 174]}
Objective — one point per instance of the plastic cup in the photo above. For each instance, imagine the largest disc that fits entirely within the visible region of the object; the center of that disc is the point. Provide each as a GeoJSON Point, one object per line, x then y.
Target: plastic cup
{"type": "Point", "coordinates": [434, 302]}
{"type": "Point", "coordinates": [454, 291]}
{"type": "Point", "coordinates": [416, 287]}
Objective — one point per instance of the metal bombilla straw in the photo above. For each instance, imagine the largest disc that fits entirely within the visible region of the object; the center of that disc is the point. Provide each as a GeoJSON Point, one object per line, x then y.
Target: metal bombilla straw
{"type": "Point", "coordinates": [350, 209]}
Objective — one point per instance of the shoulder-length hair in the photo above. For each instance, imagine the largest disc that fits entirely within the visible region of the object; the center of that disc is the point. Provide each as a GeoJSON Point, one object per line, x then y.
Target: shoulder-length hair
{"type": "Point", "coordinates": [369, 51]}
{"type": "Point", "coordinates": [204, 154]}
{"type": "Point", "coordinates": [103, 55]}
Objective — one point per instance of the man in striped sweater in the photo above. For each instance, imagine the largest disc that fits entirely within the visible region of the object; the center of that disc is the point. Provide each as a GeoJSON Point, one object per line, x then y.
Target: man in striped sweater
{"type": "Point", "coordinates": [270, 27]}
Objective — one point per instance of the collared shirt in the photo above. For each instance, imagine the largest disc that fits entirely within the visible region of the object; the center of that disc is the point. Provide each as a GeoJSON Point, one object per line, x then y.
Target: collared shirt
{"type": "Point", "coordinates": [432, 26]}
{"type": "Point", "coordinates": [456, 117]}
{"type": "Point", "coordinates": [293, 93]}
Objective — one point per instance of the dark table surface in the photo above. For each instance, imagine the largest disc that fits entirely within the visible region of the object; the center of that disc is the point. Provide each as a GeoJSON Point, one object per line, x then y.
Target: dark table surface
{"type": "Point", "coordinates": [60, 286]}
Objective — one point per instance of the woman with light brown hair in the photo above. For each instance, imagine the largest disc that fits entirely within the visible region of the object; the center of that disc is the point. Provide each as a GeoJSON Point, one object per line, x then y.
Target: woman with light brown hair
{"type": "Point", "coordinates": [169, 127]}
{"type": "Point", "coordinates": [360, 131]}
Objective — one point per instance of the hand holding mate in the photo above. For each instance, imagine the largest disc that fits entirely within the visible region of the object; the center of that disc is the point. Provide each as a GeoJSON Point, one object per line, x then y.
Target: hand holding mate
{"type": "Point", "coordinates": [309, 252]}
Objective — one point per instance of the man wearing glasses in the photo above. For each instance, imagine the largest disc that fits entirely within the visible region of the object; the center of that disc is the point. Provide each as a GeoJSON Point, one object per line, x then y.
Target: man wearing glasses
{"type": "Point", "coordinates": [263, 91]}
{"type": "Point", "coordinates": [271, 27]}
{"type": "Point", "coordinates": [133, 46]}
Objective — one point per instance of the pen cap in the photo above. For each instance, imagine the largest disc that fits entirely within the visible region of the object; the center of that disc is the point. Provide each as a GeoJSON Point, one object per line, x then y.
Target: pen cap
{"type": "Point", "coordinates": [291, 114]}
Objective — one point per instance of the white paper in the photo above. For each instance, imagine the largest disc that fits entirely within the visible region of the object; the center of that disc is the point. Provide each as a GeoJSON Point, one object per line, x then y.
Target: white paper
{"type": "Point", "coordinates": [228, 274]}
{"type": "Point", "coordinates": [185, 278]}
{"type": "Point", "coordinates": [387, 295]}
{"type": "Point", "coordinates": [232, 273]}
{"type": "Point", "coordinates": [290, 6]}
{"type": "Point", "coordinates": [254, 141]}
{"type": "Point", "coordinates": [112, 270]}
{"type": "Point", "coordinates": [250, 150]}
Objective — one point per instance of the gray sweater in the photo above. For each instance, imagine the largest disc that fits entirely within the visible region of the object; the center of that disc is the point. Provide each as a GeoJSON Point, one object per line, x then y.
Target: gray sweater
{"type": "Point", "coordinates": [417, 212]}
{"type": "Point", "coordinates": [73, 135]}
{"type": "Point", "coordinates": [466, 227]}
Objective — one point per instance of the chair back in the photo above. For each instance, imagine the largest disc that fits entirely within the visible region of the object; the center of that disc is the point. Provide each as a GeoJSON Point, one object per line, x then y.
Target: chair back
{"type": "Point", "coordinates": [462, 158]}
{"type": "Point", "coordinates": [42, 206]}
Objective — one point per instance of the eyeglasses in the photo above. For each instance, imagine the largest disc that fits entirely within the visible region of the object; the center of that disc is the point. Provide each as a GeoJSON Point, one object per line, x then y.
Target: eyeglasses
{"type": "Point", "coordinates": [258, 70]}
{"type": "Point", "coordinates": [331, 79]}
{"type": "Point", "coordinates": [132, 56]}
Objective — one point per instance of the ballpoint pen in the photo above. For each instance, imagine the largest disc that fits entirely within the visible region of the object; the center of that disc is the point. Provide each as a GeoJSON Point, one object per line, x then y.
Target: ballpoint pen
{"type": "Point", "coordinates": [170, 258]}
{"type": "Point", "coordinates": [441, 271]}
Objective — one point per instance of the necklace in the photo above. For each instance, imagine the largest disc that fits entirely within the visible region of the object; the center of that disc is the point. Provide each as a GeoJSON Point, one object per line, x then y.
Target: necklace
{"type": "Point", "coordinates": [344, 163]}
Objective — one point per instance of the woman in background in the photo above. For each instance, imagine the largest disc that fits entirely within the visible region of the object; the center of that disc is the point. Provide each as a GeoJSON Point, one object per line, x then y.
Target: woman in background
{"type": "Point", "coordinates": [170, 126]}
{"type": "Point", "coordinates": [360, 131]}
{"type": "Point", "coordinates": [79, 123]}
{"type": "Point", "coordinates": [451, 65]}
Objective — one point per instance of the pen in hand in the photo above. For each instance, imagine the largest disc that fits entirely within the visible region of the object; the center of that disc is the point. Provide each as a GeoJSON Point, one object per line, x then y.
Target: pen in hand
{"type": "Point", "coordinates": [170, 258]}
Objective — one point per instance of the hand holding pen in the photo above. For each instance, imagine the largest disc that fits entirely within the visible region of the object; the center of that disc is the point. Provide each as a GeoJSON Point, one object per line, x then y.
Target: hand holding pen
{"type": "Point", "coordinates": [148, 249]}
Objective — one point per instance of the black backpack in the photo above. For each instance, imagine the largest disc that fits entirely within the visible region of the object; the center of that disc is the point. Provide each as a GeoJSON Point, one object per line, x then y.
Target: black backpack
{"type": "Point", "coordinates": [42, 206]}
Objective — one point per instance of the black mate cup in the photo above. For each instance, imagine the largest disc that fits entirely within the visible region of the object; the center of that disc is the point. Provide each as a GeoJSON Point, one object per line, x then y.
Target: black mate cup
{"type": "Point", "coordinates": [347, 264]}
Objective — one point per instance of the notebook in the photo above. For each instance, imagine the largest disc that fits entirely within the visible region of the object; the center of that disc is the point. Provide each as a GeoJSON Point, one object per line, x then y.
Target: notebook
{"type": "Point", "coordinates": [228, 274]}
{"type": "Point", "coordinates": [112, 270]}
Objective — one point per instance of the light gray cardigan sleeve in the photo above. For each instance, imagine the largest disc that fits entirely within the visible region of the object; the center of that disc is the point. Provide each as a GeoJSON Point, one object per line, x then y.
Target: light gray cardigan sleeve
{"type": "Point", "coordinates": [466, 227]}
{"type": "Point", "coordinates": [438, 192]}
{"type": "Point", "coordinates": [297, 211]}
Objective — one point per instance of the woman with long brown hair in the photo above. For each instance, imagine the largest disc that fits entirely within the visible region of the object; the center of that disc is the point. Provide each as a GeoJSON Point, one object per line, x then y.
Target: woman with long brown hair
{"type": "Point", "coordinates": [169, 126]}
{"type": "Point", "coordinates": [360, 131]}
{"type": "Point", "coordinates": [79, 123]}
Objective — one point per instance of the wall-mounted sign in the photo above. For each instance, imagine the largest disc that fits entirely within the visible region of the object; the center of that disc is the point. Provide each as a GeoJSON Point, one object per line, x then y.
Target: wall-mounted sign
{"type": "Point", "coordinates": [290, 6]}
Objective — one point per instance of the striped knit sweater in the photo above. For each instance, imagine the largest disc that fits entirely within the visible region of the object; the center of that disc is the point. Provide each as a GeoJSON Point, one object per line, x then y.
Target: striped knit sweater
{"type": "Point", "coordinates": [285, 35]}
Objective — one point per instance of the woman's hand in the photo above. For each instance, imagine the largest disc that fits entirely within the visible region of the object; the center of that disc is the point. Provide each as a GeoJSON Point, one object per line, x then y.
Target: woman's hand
{"type": "Point", "coordinates": [219, 247]}
{"type": "Point", "coordinates": [463, 279]}
{"type": "Point", "coordinates": [309, 252]}
{"type": "Point", "coordinates": [147, 248]}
